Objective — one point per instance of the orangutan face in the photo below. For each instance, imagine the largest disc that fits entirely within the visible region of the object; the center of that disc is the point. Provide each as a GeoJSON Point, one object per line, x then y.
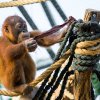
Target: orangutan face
{"type": "Point", "coordinates": [12, 27]}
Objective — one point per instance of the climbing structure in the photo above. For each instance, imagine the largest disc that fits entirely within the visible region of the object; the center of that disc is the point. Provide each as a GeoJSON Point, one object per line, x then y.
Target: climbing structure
{"type": "Point", "coordinates": [81, 49]}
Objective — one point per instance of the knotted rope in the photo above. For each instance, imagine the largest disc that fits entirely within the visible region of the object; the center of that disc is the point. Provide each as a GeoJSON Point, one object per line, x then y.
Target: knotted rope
{"type": "Point", "coordinates": [19, 3]}
{"type": "Point", "coordinates": [83, 47]}
{"type": "Point", "coordinates": [87, 49]}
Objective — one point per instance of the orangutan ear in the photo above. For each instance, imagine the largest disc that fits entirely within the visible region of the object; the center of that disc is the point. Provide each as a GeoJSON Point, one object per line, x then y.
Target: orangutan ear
{"type": "Point", "coordinates": [6, 29]}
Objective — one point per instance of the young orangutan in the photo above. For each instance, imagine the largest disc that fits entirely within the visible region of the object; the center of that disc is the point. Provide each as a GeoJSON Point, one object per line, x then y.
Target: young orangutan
{"type": "Point", "coordinates": [16, 66]}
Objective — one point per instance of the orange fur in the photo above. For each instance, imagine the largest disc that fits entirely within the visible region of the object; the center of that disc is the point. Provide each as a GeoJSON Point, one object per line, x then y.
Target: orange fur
{"type": "Point", "coordinates": [16, 66]}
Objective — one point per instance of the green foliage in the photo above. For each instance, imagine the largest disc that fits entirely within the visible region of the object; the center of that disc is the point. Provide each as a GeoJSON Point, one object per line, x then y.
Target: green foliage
{"type": "Point", "coordinates": [96, 84]}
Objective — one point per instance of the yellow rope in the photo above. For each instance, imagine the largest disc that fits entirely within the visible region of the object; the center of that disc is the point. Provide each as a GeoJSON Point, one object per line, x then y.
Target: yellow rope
{"type": "Point", "coordinates": [19, 3]}
{"type": "Point", "coordinates": [86, 44]}
{"type": "Point", "coordinates": [88, 47]}
{"type": "Point", "coordinates": [87, 52]}
{"type": "Point", "coordinates": [51, 69]}
{"type": "Point", "coordinates": [8, 93]}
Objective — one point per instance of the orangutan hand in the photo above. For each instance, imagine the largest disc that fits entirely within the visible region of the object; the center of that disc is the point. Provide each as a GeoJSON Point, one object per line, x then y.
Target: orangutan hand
{"type": "Point", "coordinates": [30, 44]}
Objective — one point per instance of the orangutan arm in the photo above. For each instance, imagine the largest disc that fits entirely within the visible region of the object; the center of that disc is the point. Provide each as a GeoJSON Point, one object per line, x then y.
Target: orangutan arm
{"type": "Point", "coordinates": [50, 39]}
{"type": "Point", "coordinates": [14, 51]}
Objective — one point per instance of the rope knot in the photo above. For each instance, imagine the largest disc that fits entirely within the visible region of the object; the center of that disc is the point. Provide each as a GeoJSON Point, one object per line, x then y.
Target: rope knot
{"type": "Point", "coordinates": [86, 46]}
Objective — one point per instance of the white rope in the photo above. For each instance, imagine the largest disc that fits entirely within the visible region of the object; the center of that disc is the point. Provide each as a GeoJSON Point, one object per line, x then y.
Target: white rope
{"type": "Point", "coordinates": [19, 3]}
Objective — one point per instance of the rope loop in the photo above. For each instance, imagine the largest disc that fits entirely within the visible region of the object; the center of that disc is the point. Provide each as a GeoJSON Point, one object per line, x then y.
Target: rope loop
{"type": "Point", "coordinates": [86, 46]}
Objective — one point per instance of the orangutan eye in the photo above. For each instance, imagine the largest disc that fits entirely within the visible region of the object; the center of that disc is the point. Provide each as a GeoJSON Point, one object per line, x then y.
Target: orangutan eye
{"type": "Point", "coordinates": [18, 26]}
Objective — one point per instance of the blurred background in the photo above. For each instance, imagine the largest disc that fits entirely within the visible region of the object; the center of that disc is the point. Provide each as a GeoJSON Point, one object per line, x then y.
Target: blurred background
{"type": "Point", "coordinates": [43, 16]}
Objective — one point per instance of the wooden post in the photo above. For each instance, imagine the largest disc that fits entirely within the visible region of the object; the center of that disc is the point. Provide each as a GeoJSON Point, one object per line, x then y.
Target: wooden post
{"type": "Point", "coordinates": [82, 80]}
{"type": "Point", "coordinates": [82, 85]}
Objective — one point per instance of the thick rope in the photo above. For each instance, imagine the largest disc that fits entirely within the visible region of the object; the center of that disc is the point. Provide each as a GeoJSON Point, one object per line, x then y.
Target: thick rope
{"type": "Point", "coordinates": [65, 79]}
{"type": "Point", "coordinates": [88, 47]}
{"type": "Point", "coordinates": [88, 43]}
{"type": "Point", "coordinates": [73, 47]}
{"type": "Point", "coordinates": [89, 60]}
{"type": "Point", "coordinates": [51, 69]}
{"type": "Point", "coordinates": [44, 88]}
{"type": "Point", "coordinates": [60, 77]}
{"type": "Point", "coordinates": [19, 3]}
{"type": "Point", "coordinates": [8, 93]}
{"type": "Point", "coordinates": [87, 52]}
